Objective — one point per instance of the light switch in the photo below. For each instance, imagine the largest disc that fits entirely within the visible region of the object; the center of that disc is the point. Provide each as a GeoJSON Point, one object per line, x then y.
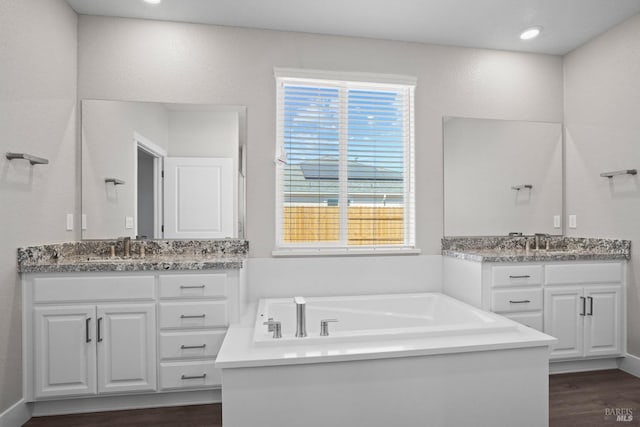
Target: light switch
{"type": "Point", "coordinates": [69, 222]}
{"type": "Point", "coordinates": [128, 222]}
{"type": "Point", "coordinates": [84, 222]}
{"type": "Point", "coordinates": [556, 221]}
{"type": "Point", "coordinates": [572, 221]}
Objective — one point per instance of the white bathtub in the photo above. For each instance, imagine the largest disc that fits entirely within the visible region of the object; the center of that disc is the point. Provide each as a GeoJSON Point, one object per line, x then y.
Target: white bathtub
{"type": "Point", "coordinates": [377, 316]}
{"type": "Point", "coordinates": [411, 360]}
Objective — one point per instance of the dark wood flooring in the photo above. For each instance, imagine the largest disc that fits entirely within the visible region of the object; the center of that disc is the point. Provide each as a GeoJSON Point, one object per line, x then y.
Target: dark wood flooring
{"type": "Point", "coordinates": [586, 399]}
{"type": "Point", "coordinates": [575, 400]}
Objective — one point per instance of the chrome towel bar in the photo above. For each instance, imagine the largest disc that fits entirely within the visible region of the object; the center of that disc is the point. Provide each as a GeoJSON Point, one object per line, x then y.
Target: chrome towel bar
{"type": "Point", "coordinates": [32, 159]}
{"type": "Point", "coordinates": [621, 172]}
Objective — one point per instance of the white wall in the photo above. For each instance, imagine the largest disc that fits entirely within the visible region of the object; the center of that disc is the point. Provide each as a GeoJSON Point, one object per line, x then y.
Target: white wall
{"type": "Point", "coordinates": [602, 103]}
{"type": "Point", "coordinates": [483, 159]}
{"type": "Point", "coordinates": [108, 152]}
{"type": "Point", "coordinates": [281, 278]}
{"type": "Point", "coordinates": [203, 134]}
{"type": "Point", "coordinates": [38, 45]}
{"type": "Point", "coordinates": [175, 62]}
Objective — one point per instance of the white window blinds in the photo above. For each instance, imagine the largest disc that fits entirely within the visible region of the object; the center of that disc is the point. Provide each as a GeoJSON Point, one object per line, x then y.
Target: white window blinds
{"type": "Point", "coordinates": [345, 169]}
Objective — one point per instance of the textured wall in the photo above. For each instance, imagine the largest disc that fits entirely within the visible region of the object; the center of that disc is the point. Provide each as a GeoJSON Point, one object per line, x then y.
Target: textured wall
{"type": "Point", "coordinates": [38, 63]}
{"type": "Point", "coordinates": [174, 62]}
{"type": "Point", "coordinates": [602, 101]}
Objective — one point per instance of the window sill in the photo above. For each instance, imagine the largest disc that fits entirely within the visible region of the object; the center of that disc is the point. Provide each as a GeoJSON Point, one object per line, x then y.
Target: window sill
{"type": "Point", "coordinates": [319, 252]}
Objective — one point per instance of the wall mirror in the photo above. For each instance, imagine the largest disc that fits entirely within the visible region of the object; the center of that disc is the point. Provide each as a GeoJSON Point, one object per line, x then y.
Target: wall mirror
{"type": "Point", "coordinates": [502, 176]}
{"type": "Point", "coordinates": [162, 171]}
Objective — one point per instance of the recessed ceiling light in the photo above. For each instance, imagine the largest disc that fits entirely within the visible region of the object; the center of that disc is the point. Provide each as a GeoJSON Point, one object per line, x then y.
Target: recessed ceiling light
{"type": "Point", "coordinates": [530, 33]}
{"type": "Point", "coordinates": [152, 1]}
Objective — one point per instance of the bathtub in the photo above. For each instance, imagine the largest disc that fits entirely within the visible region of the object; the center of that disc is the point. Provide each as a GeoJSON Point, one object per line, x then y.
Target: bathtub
{"type": "Point", "coordinates": [394, 316]}
{"type": "Point", "coordinates": [410, 360]}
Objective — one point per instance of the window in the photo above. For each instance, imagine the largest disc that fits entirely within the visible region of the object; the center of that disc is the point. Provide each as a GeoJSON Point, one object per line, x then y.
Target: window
{"type": "Point", "coordinates": [345, 172]}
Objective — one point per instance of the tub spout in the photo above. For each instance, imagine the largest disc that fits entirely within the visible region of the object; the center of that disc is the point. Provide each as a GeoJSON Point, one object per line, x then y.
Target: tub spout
{"type": "Point", "coordinates": [301, 317]}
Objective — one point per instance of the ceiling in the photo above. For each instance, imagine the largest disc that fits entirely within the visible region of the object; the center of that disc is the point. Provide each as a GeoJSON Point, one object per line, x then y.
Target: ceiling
{"type": "Point", "coordinates": [493, 24]}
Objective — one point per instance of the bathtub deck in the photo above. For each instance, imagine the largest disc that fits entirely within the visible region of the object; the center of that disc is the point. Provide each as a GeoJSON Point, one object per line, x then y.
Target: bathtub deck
{"type": "Point", "coordinates": [239, 351]}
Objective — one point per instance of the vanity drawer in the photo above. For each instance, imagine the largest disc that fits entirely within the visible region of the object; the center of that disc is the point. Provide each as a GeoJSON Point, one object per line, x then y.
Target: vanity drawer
{"type": "Point", "coordinates": [532, 320]}
{"type": "Point", "coordinates": [83, 288]}
{"type": "Point", "coordinates": [210, 314]}
{"type": "Point", "coordinates": [516, 275]}
{"type": "Point", "coordinates": [175, 375]}
{"type": "Point", "coordinates": [178, 345]}
{"type": "Point", "coordinates": [504, 301]}
{"type": "Point", "coordinates": [564, 274]}
{"type": "Point", "coordinates": [193, 286]}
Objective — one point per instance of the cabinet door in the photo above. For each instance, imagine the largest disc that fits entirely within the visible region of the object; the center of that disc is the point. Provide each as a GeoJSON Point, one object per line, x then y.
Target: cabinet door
{"type": "Point", "coordinates": [603, 322]}
{"type": "Point", "coordinates": [563, 319]}
{"type": "Point", "coordinates": [64, 351]}
{"type": "Point", "coordinates": [126, 338]}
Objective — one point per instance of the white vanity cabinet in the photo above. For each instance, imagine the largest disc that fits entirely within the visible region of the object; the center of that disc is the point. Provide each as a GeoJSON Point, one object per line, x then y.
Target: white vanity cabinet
{"type": "Point", "coordinates": [91, 334]}
{"type": "Point", "coordinates": [581, 303]}
{"type": "Point", "coordinates": [109, 333]}
{"type": "Point", "coordinates": [86, 349]}
{"type": "Point", "coordinates": [584, 309]}
{"type": "Point", "coordinates": [194, 315]}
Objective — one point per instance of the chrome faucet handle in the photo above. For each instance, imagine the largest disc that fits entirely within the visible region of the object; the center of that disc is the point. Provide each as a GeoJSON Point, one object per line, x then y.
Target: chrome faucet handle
{"type": "Point", "coordinates": [275, 327]}
{"type": "Point", "coordinates": [269, 324]}
{"type": "Point", "coordinates": [324, 326]}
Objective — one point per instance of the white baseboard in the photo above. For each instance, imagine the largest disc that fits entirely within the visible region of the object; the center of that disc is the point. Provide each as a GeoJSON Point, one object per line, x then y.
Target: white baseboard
{"type": "Point", "coordinates": [15, 415]}
{"type": "Point", "coordinates": [630, 364]}
{"type": "Point", "coordinates": [565, 367]}
{"type": "Point", "coordinates": [124, 402]}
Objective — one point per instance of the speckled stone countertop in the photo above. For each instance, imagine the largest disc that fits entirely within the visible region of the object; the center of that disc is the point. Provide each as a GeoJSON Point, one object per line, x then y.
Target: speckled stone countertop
{"type": "Point", "coordinates": [513, 249]}
{"type": "Point", "coordinates": [95, 255]}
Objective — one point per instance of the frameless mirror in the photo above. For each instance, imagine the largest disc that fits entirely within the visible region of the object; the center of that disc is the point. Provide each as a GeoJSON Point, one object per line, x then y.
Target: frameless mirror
{"type": "Point", "coordinates": [161, 170]}
{"type": "Point", "coordinates": [502, 177]}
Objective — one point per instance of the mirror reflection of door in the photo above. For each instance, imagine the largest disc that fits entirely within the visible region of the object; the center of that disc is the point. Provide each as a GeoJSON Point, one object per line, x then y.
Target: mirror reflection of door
{"type": "Point", "coordinates": [149, 188]}
{"type": "Point", "coordinates": [198, 191]}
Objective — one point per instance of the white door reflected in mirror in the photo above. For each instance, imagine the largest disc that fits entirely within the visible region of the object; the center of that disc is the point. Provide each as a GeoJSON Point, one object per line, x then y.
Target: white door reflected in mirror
{"type": "Point", "coordinates": [196, 193]}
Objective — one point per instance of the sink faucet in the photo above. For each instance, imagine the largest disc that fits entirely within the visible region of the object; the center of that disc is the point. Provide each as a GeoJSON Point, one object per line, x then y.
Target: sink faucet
{"type": "Point", "coordinates": [126, 246]}
{"type": "Point", "coordinates": [301, 317]}
{"type": "Point", "coordinates": [538, 236]}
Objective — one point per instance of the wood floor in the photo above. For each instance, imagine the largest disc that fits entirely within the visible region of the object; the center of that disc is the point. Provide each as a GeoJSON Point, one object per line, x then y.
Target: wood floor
{"type": "Point", "coordinates": [585, 399]}
{"type": "Point", "coordinates": [579, 400]}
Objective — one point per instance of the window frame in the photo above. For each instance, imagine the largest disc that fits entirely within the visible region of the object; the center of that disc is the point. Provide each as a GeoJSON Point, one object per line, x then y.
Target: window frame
{"type": "Point", "coordinates": [345, 82]}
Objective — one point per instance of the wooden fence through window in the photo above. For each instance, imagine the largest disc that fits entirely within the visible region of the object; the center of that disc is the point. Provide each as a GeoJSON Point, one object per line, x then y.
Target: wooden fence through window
{"type": "Point", "coordinates": [368, 225]}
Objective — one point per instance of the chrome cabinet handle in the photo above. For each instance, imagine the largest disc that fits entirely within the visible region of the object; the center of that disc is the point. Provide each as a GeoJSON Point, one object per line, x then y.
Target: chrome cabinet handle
{"type": "Point", "coordinates": [192, 316]}
{"type": "Point", "coordinates": [191, 287]}
{"type": "Point", "coordinates": [584, 306]}
{"type": "Point", "coordinates": [184, 347]}
{"type": "Point", "coordinates": [87, 333]}
{"type": "Point", "coordinates": [523, 276]}
{"type": "Point", "coordinates": [193, 377]}
{"type": "Point", "coordinates": [99, 327]}
{"type": "Point", "coordinates": [590, 313]}
{"type": "Point", "coordinates": [522, 301]}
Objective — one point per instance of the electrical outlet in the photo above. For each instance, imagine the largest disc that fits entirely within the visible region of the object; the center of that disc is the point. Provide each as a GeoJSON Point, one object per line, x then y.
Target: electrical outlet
{"type": "Point", "coordinates": [556, 221]}
{"type": "Point", "coordinates": [572, 221]}
{"type": "Point", "coordinates": [128, 222]}
{"type": "Point", "coordinates": [69, 222]}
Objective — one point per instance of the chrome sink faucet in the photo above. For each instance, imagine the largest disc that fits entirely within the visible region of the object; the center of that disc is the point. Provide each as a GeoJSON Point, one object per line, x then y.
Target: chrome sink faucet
{"type": "Point", "coordinates": [538, 236]}
{"type": "Point", "coordinates": [301, 317]}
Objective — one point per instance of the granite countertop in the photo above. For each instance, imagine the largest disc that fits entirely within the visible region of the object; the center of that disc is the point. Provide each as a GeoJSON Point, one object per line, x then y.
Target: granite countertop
{"type": "Point", "coordinates": [512, 249]}
{"type": "Point", "coordinates": [160, 255]}
{"type": "Point", "coordinates": [521, 255]}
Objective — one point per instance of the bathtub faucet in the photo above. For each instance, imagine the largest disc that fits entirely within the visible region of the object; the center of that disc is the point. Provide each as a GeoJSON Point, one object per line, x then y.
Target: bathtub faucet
{"type": "Point", "coordinates": [301, 317]}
